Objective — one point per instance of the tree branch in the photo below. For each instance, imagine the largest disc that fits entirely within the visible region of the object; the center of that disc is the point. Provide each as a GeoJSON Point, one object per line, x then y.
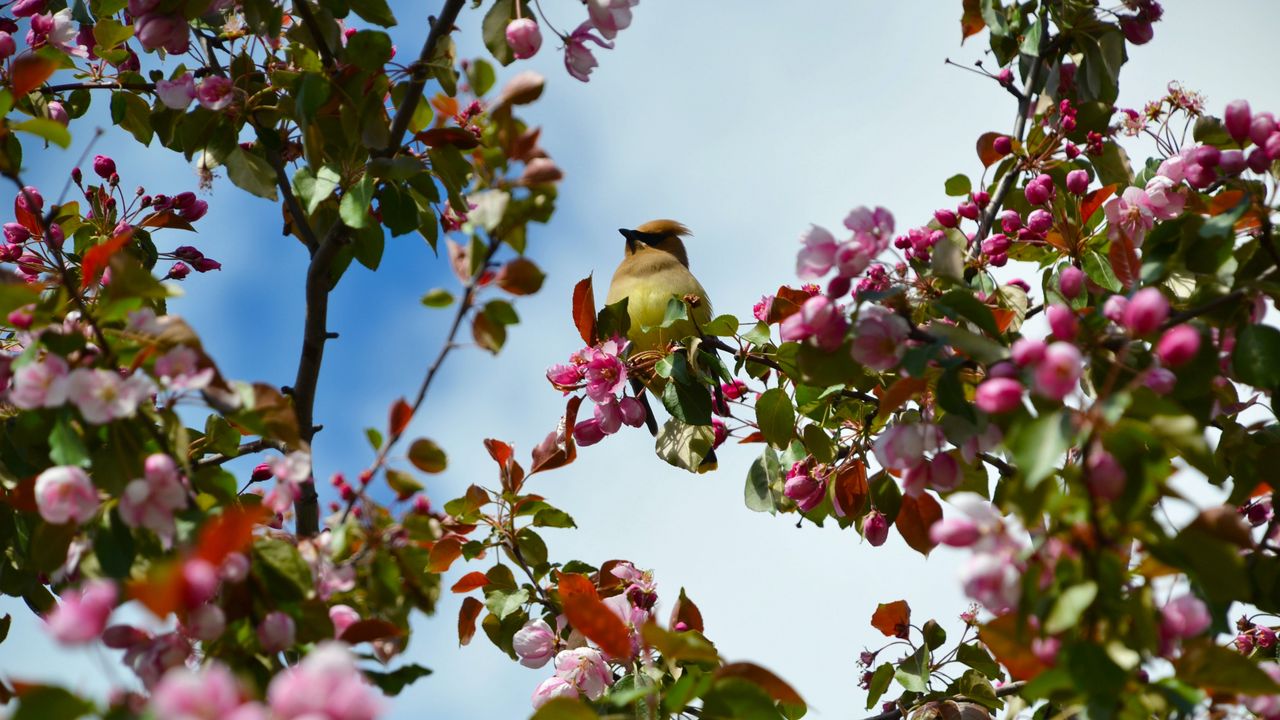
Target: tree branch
{"type": "Point", "coordinates": [303, 10]}
{"type": "Point", "coordinates": [248, 448]}
{"type": "Point", "coordinates": [439, 28]}
{"type": "Point", "coordinates": [1012, 688]}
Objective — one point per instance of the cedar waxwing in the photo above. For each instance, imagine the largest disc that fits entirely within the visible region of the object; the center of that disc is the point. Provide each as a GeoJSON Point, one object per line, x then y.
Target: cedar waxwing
{"type": "Point", "coordinates": [654, 269]}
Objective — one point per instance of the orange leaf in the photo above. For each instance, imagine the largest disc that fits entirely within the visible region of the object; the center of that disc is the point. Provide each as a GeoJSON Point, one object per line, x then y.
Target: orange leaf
{"type": "Point", "coordinates": [498, 450]}
{"type": "Point", "coordinates": [455, 136]}
{"type": "Point", "coordinates": [916, 516]}
{"type": "Point", "coordinates": [160, 591]}
{"type": "Point", "coordinates": [443, 553]}
{"type": "Point", "coordinates": [401, 414]}
{"type": "Point", "coordinates": [96, 258]}
{"type": "Point", "coordinates": [893, 619]}
{"type": "Point", "coordinates": [851, 488]}
{"type": "Point", "coordinates": [166, 219]}
{"type": "Point", "coordinates": [230, 532]}
{"type": "Point", "coordinates": [28, 72]}
{"type": "Point", "coordinates": [1124, 260]}
{"type": "Point", "coordinates": [1094, 200]}
{"type": "Point", "coordinates": [1224, 201]}
{"type": "Point", "coordinates": [467, 615]}
{"type": "Point", "coordinates": [686, 612]}
{"type": "Point", "coordinates": [368, 630]}
{"type": "Point", "coordinates": [987, 148]}
{"type": "Point", "coordinates": [445, 106]}
{"type": "Point", "coordinates": [1004, 318]}
{"type": "Point", "coordinates": [584, 310]}
{"type": "Point", "coordinates": [1012, 646]}
{"type": "Point", "coordinates": [558, 449]}
{"type": "Point", "coordinates": [899, 393]}
{"type": "Point", "coordinates": [469, 582]}
{"type": "Point", "coordinates": [777, 688]}
{"type": "Point", "coordinates": [786, 303]}
{"type": "Point", "coordinates": [971, 23]}
{"type": "Point", "coordinates": [755, 437]}
{"type": "Point", "coordinates": [591, 617]}
{"type": "Point", "coordinates": [1054, 238]}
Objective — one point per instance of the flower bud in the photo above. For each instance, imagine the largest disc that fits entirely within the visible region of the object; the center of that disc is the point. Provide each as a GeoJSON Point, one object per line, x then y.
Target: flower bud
{"type": "Point", "coordinates": [199, 582]}
{"type": "Point", "coordinates": [1237, 118]}
{"type": "Point", "coordinates": [1137, 30]}
{"type": "Point", "coordinates": [945, 218]}
{"type": "Point", "coordinates": [1145, 312]}
{"type": "Point", "coordinates": [1039, 221]}
{"type": "Point", "coordinates": [1005, 76]}
{"type": "Point", "coordinates": [1071, 150]}
{"type": "Point", "coordinates": [179, 271]}
{"type": "Point", "coordinates": [1160, 380]}
{"type": "Point", "coordinates": [235, 568]}
{"type": "Point", "coordinates": [1199, 176]}
{"type": "Point", "coordinates": [1104, 475]}
{"type": "Point", "coordinates": [524, 37]}
{"type": "Point", "coordinates": [1178, 346]}
{"type": "Point", "coordinates": [343, 617]}
{"type": "Point", "coordinates": [1038, 192]}
{"type": "Point", "coordinates": [588, 432]}
{"type": "Point", "coordinates": [1077, 182]}
{"type": "Point", "coordinates": [982, 198]}
{"type": "Point", "coordinates": [875, 528]}
{"type": "Point", "coordinates": [632, 411]}
{"type": "Point", "coordinates": [206, 623]}
{"type": "Point", "coordinates": [1261, 127]}
{"type": "Point", "coordinates": [1071, 282]}
{"type": "Point", "coordinates": [1273, 146]}
{"type": "Point", "coordinates": [1003, 145]}
{"type": "Point", "coordinates": [1010, 221]}
{"type": "Point", "coordinates": [1062, 322]}
{"type": "Point", "coordinates": [57, 112]}
{"type": "Point", "coordinates": [104, 166]}
{"type": "Point", "coordinates": [1113, 309]}
{"type": "Point", "coordinates": [1003, 369]}
{"type": "Point", "coordinates": [1232, 162]}
{"type": "Point", "coordinates": [999, 395]}
{"type": "Point", "coordinates": [277, 632]}
{"type": "Point", "coordinates": [16, 233]}
{"type": "Point", "coordinates": [1206, 155]}
{"type": "Point", "coordinates": [7, 46]}
{"type": "Point", "coordinates": [968, 210]}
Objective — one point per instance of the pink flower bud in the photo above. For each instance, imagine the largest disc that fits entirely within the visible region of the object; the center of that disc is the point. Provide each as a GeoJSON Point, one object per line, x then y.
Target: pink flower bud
{"type": "Point", "coordinates": [945, 218]}
{"type": "Point", "coordinates": [1003, 370]}
{"type": "Point", "coordinates": [524, 37]}
{"type": "Point", "coordinates": [179, 271]}
{"type": "Point", "coordinates": [277, 632]}
{"type": "Point", "coordinates": [343, 617]}
{"type": "Point", "coordinates": [1003, 145]}
{"type": "Point", "coordinates": [1039, 221]}
{"type": "Point", "coordinates": [1038, 193]}
{"type": "Point", "coordinates": [801, 486]}
{"type": "Point", "coordinates": [1071, 150]}
{"type": "Point", "coordinates": [1113, 309]}
{"type": "Point", "coordinates": [1261, 127]}
{"type": "Point", "coordinates": [839, 286]}
{"type": "Point", "coordinates": [1137, 30]}
{"type": "Point", "coordinates": [1005, 76]}
{"type": "Point", "coordinates": [1266, 636]}
{"type": "Point", "coordinates": [1232, 162]}
{"type": "Point", "coordinates": [1010, 221]}
{"type": "Point", "coordinates": [7, 46]}
{"type": "Point", "coordinates": [199, 582]}
{"type": "Point", "coordinates": [588, 432]}
{"type": "Point", "coordinates": [155, 31]}
{"type": "Point", "coordinates": [875, 528]}
{"type": "Point", "coordinates": [1058, 373]}
{"type": "Point", "coordinates": [1028, 351]}
{"type": "Point", "coordinates": [1273, 146]}
{"type": "Point", "coordinates": [999, 395]}
{"type": "Point", "coordinates": [535, 643]}
{"type": "Point", "coordinates": [206, 623]}
{"type": "Point", "coordinates": [1077, 182]}
{"type": "Point", "coordinates": [981, 198]}
{"type": "Point", "coordinates": [1237, 119]}
{"type": "Point", "coordinates": [1145, 312]}
{"type": "Point", "coordinates": [632, 411]}
{"type": "Point", "coordinates": [57, 113]}
{"type": "Point", "coordinates": [1184, 617]}
{"type": "Point", "coordinates": [1160, 380]}
{"type": "Point", "coordinates": [1071, 282]}
{"type": "Point", "coordinates": [1206, 155]}
{"type": "Point", "coordinates": [969, 210]}
{"type": "Point", "coordinates": [955, 531]}
{"type": "Point", "coordinates": [1199, 176]}
{"type": "Point", "coordinates": [104, 166]}
{"type": "Point", "coordinates": [1062, 322]}
{"type": "Point", "coordinates": [1258, 160]}
{"type": "Point", "coordinates": [1178, 345]}
{"type": "Point", "coordinates": [1104, 475]}
{"type": "Point", "coordinates": [235, 568]}
{"type": "Point", "coordinates": [996, 244]}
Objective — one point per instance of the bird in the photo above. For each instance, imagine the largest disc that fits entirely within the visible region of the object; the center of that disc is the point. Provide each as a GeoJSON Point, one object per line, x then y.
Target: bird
{"type": "Point", "coordinates": [655, 269]}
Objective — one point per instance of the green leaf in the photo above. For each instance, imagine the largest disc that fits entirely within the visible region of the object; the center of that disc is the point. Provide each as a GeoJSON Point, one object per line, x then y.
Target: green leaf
{"type": "Point", "coordinates": [374, 437]}
{"type": "Point", "coordinates": [1205, 664]}
{"type": "Point", "coordinates": [565, 708]}
{"type": "Point", "coordinates": [1098, 269]}
{"type": "Point", "coordinates": [934, 635]}
{"type": "Point", "coordinates": [403, 484]}
{"type": "Point", "coordinates": [133, 114]}
{"type": "Point", "coordinates": [1038, 445]}
{"type": "Point", "coordinates": [369, 50]}
{"type": "Point", "coordinates": [502, 602]}
{"type": "Point", "coordinates": [368, 245]}
{"type": "Point", "coordinates": [109, 32]}
{"type": "Point", "coordinates": [885, 495]}
{"type": "Point", "coordinates": [437, 298]}
{"type": "Point", "coordinates": [776, 417]}
{"type": "Point", "coordinates": [880, 680]}
{"type": "Point", "coordinates": [51, 130]}
{"type": "Point", "coordinates": [65, 445]}
{"type": "Point", "coordinates": [481, 76]}
{"type": "Point", "coordinates": [958, 185]}
{"type": "Point", "coordinates": [1113, 166]}
{"type": "Point", "coordinates": [979, 659]}
{"type": "Point", "coordinates": [391, 683]}
{"type": "Point", "coordinates": [1070, 605]}
{"type": "Point", "coordinates": [494, 30]}
{"type": "Point", "coordinates": [1256, 358]}
{"type": "Point", "coordinates": [354, 208]}
{"type": "Point", "coordinates": [961, 304]}
{"type": "Point", "coordinates": [113, 546]}
{"type": "Point", "coordinates": [913, 672]}
{"type": "Point", "coordinates": [374, 11]}
{"type": "Point", "coordinates": [682, 445]}
{"type": "Point", "coordinates": [43, 703]}
{"type": "Point", "coordinates": [427, 456]}
{"type": "Point", "coordinates": [687, 400]}
{"type": "Point", "coordinates": [764, 473]}
{"type": "Point", "coordinates": [978, 347]}
{"type": "Point", "coordinates": [282, 570]}
{"type": "Point", "coordinates": [252, 173]}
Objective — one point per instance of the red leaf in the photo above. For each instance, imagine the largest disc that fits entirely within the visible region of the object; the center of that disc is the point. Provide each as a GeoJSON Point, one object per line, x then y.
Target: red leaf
{"type": "Point", "coordinates": [166, 219]}
{"type": "Point", "coordinates": [28, 72]}
{"type": "Point", "coordinates": [401, 414]}
{"type": "Point", "coordinates": [520, 277]}
{"type": "Point", "coordinates": [498, 450]}
{"type": "Point", "coordinates": [467, 615]}
{"type": "Point", "coordinates": [469, 582]}
{"type": "Point", "coordinates": [686, 612]}
{"type": "Point", "coordinates": [1124, 260]}
{"type": "Point", "coordinates": [786, 303]}
{"type": "Point", "coordinates": [987, 149]}
{"type": "Point", "coordinates": [558, 449]}
{"type": "Point", "coordinates": [96, 258]}
{"type": "Point", "coordinates": [899, 393]}
{"type": "Point", "coordinates": [916, 516]}
{"type": "Point", "coordinates": [1224, 201]}
{"type": "Point", "coordinates": [1094, 200]}
{"type": "Point", "coordinates": [584, 310]}
{"type": "Point", "coordinates": [971, 23]}
{"type": "Point", "coordinates": [230, 532]}
{"type": "Point", "coordinates": [591, 617]}
{"type": "Point", "coordinates": [160, 591]}
{"type": "Point", "coordinates": [1004, 318]}
{"type": "Point", "coordinates": [1011, 645]}
{"type": "Point", "coordinates": [443, 553]}
{"type": "Point", "coordinates": [777, 688]}
{"type": "Point", "coordinates": [368, 630]}
{"type": "Point", "coordinates": [851, 488]}
{"type": "Point", "coordinates": [893, 619]}
{"type": "Point", "coordinates": [458, 137]}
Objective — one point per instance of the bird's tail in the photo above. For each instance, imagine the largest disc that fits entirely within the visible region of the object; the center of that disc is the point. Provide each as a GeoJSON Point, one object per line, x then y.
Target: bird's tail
{"type": "Point", "coordinates": [650, 421]}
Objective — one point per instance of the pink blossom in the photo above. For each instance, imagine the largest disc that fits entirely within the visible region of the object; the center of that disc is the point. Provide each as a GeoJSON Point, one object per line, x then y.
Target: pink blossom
{"type": "Point", "coordinates": [1265, 706]}
{"type": "Point", "coordinates": [102, 396]}
{"type": "Point", "coordinates": [1172, 168]}
{"type": "Point", "coordinates": [151, 657]}
{"type": "Point", "coordinates": [609, 416]}
{"type": "Point", "coordinates": [524, 37]}
{"type": "Point", "coordinates": [1146, 311]}
{"type": "Point", "coordinates": [999, 395]}
{"type": "Point", "coordinates": [955, 531]}
{"type": "Point", "coordinates": [326, 685]}
{"type": "Point", "coordinates": [150, 501]}
{"type": "Point", "coordinates": [875, 528]}
{"type": "Point", "coordinates": [82, 616]}
{"type": "Point", "coordinates": [985, 441]}
{"type": "Point", "coordinates": [65, 493]}
{"type": "Point", "coordinates": [1129, 215]}
{"type": "Point", "coordinates": [632, 411]}
{"type": "Point", "coordinates": [535, 643]}
{"type": "Point", "coordinates": [1114, 308]}
{"type": "Point", "coordinates": [1062, 322]}
{"type": "Point", "coordinates": [1178, 345]}
{"type": "Point", "coordinates": [1184, 617]}
{"type": "Point", "coordinates": [852, 258]}
{"type": "Point", "coordinates": [209, 693]}
{"type": "Point", "coordinates": [290, 471]}
{"type": "Point", "coordinates": [342, 617]}
{"type": "Point", "coordinates": [1071, 282]}
{"type": "Point", "coordinates": [1028, 351]}
{"type": "Point", "coordinates": [1056, 376]}
{"type": "Point", "coordinates": [865, 221]}
{"type": "Point", "coordinates": [1164, 198]}
{"type": "Point", "coordinates": [942, 473]}
{"type": "Point", "coordinates": [818, 254]}
{"type": "Point", "coordinates": [879, 337]}
{"type": "Point", "coordinates": [585, 669]}
{"type": "Point", "coordinates": [40, 384]}
{"type": "Point", "coordinates": [805, 487]}
{"type": "Point", "coordinates": [1161, 381]}
{"type": "Point", "coordinates": [819, 319]}
{"type": "Point", "coordinates": [1104, 474]}
{"type": "Point", "coordinates": [992, 579]}
{"type": "Point", "coordinates": [170, 32]}
{"type": "Point", "coordinates": [588, 432]}
{"type": "Point", "coordinates": [610, 16]}
{"type": "Point", "coordinates": [553, 687]}
{"type": "Point", "coordinates": [179, 369]}
{"type": "Point", "coordinates": [565, 377]}
{"type": "Point", "coordinates": [215, 93]}
{"type": "Point", "coordinates": [761, 309]}
{"type": "Point", "coordinates": [177, 93]}
{"type": "Point", "coordinates": [277, 632]}
{"type": "Point", "coordinates": [578, 58]}
{"type": "Point", "coordinates": [605, 372]}
{"type": "Point", "coordinates": [904, 445]}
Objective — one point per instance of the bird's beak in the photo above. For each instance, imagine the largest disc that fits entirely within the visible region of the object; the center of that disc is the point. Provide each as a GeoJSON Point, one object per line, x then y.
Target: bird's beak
{"type": "Point", "coordinates": [630, 235]}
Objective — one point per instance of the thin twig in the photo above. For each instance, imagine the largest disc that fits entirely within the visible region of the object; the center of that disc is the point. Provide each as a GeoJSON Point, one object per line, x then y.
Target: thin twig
{"type": "Point", "coordinates": [1012, 688]}
{"type": "Point", "coordinates": [248, 448]}
{"type": "Point", "coordinates": [440, 27]}
{"type": "Point", "coordinates": [303, 9]}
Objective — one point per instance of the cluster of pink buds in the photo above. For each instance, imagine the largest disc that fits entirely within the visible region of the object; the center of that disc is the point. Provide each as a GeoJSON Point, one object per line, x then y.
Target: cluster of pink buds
{"type": "Point", "coordinates": [602, 372]}
{"type": "Point", "coordinates": [1137, 27]}
{"type": "Point", "coordinates": [1254, 637]}
{"type": "Point", "coordinates": [822, 253]}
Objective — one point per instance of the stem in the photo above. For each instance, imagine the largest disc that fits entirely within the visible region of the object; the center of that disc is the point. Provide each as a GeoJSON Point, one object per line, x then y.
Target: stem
{"type": "Point", "coordinates": [303, 10]}
{"type": "Point", "coordinates": [439, 28]}
{"type": "Point", "coordinates": [248, 448]}
{"type": "Point", "coordinates": [1003, 691]}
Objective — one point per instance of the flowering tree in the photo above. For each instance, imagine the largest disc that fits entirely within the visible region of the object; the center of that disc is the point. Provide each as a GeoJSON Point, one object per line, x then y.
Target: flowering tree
{"type": "Point", "coordinates": [913, 376]}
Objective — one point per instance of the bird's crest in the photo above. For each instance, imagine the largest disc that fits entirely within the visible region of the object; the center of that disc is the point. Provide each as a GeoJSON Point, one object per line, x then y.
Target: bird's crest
{"type": "Point", "coordinates": [664, 227]}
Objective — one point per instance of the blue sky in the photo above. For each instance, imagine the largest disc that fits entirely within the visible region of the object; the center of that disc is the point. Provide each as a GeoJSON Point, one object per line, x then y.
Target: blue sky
{"type": "Point", "coordinates": [746, 122]}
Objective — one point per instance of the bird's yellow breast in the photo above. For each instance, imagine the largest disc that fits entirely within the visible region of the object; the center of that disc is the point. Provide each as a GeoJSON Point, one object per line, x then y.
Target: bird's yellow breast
{"type": "Point", "coordinates": [649, 283]}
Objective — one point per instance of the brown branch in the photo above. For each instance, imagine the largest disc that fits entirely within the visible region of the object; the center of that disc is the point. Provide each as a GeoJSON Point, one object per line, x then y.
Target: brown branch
{"type": "Point", "coordinates": [439, 28]}
{"type": "Point", "coordinates": [1006, 470]}
{"type": "Point", "coordinates": [303, 10]}
{"type": "Point", "coordinates": [248, 448]}
{"type": "Point", "coordinates": [1012, 688]}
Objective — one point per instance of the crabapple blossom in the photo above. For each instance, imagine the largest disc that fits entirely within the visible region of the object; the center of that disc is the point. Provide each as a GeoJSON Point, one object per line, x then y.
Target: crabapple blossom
{"type": "Point", "coordinates": [605, 372]}
{"type": "Point", "coordinates": [1145, 312]}
{"type": "Point", "coordinates": [942, 473]}
{"type": "Point", "coordinates": [40, 384]}
{"type": "Point", "coordinates": [805, 487]}
{"type": "Point", "coordinates": [65, 493]}
{"type": "Point", "coordinates": [904, 445]}
{"type": "Point", "coordinates": [955, 531]}
{"type": "Point", "coordinates": [290, 471]}
{"type": "Point", "coordinates": [342, 617]}
{"type": "Point", "coordinates": [553, 687]}
{"type": "Point", "coordinates": [179, 369]}
{"type": "Point", "coordinates": [1130, 215]}
{"type": "Point", "coordinates": [585, 670]}
{"type": "Point", "coordinates": [214, 93]}
{"type": "Point", "coordinates": [82, 615]}
{"type": "Point", "coordinates": [209, 693]}
{"type": "Point", "coordinates": [524, 37]}
{"type": "Point", "coordinates": [1184, 617]}
{"type": "Point", "coordinates": [535, 643]}
{"type": "Point", "coordinates": [999, 395]}
{"type": "Point", "coordinates": [820, 319]}
{"type": "Point", "coordinates": [818, 255]}
{"type": "Point", "coordinates": [1178, 345]}
{"type": "Point", "coordinates": [578, 58]}
{"type": "Point", "coordinates": [879, 337]}
{"type": "Point", "coordinates": [610, 16]}
{"type": "Point", "coordinates": [150, 501]}
{"type": "Point", "coordinates": [326, 684]}
{"type": "Point", "coordinates": [102, 396]}
{"type": "Point", "coordinates": [1057, 374]}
